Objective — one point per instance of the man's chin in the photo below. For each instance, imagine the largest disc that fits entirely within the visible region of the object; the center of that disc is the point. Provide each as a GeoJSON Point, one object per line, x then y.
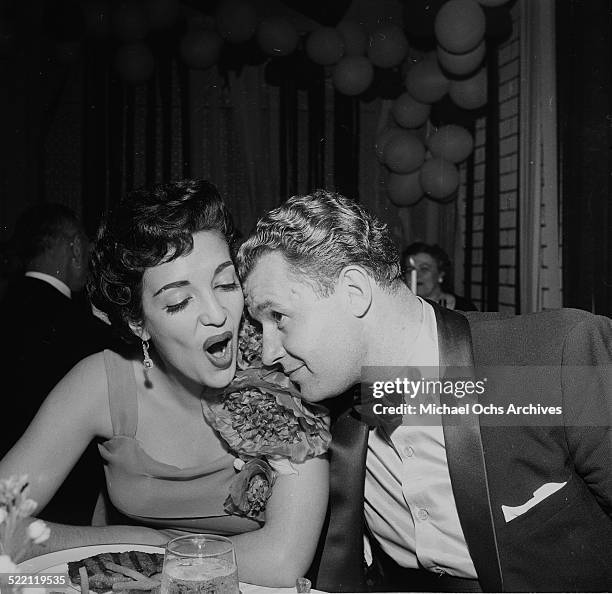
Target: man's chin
{"type": "Point", "coordinates": [315, 394]}
{"type": "Point", "coordinates": [306, 393]}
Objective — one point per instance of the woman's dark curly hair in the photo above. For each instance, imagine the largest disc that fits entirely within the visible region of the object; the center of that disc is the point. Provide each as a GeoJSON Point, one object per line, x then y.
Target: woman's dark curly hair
{"type": "Point", "coordinates": [151, 226]}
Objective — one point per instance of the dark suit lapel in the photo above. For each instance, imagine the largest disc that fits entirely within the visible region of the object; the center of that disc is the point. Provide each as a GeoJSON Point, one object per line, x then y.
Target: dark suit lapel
{"type": "Point", "coordinates": [340, 555]}
{"type": "Point", "coordinates": [464, 453]}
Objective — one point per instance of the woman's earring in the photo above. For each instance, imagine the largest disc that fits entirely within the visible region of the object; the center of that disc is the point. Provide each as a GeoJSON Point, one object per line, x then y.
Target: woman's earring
{"type": "Point", "coordinates": [146, 359]}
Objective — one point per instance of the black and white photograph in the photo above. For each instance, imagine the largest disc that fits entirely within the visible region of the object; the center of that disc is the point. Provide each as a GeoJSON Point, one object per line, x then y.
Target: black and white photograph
{"type": "Point", "coordinates": [305, 296]}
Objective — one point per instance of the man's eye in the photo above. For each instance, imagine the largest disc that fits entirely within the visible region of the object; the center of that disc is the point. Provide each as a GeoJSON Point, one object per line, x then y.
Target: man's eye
{"type": "Point", "coordinates": [177, 306]}
{"type": "Point", "coordinates": [278, 318]}
{"type": "Point", "coordinates": [228, 286]}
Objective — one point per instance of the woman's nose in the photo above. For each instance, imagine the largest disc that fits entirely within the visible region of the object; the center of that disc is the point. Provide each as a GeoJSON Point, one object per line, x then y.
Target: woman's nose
{"type": "Point", "coordinates": [212, 314]}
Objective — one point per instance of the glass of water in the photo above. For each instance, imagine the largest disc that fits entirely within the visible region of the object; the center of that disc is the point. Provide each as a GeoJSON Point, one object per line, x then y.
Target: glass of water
{"type": "Point", "coordinates": [200, 564]}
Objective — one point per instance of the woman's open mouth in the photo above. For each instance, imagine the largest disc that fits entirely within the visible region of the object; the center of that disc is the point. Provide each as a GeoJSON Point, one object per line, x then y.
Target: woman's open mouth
{"type": "Point", "coordinates": [219, 350]}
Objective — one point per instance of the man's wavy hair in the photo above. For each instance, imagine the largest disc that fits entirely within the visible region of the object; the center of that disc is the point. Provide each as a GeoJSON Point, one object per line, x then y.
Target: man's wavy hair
{"type": "Point", "coordinates": [321, 233]}
{"type": "Point", "coordinates": [151, 226]}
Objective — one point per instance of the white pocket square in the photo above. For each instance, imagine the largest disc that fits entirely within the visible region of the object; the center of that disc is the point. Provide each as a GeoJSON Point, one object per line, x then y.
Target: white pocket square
{"type": "Point", "coordinates": [538, 495]}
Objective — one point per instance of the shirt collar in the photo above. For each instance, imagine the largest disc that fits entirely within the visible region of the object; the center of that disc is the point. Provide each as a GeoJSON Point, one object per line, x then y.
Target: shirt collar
{"type": "Point", "coordinates": [61, 286]}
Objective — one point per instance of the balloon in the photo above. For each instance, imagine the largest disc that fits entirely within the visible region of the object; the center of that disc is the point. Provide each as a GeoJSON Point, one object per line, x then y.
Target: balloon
{"type": "Point", "coordinates": [352, 75]}
{"type": "Point", "coordinates": [96, 17]}
{"type": "Point", "coordinates": [236, 20]}
{"type": "Point", "coordinates": [461, 64]}
{"type": "Point", "coordinates": [325, 46]}
{"type": "Point", "coordinates": [277, 36]}
{"type": "Point", "coordinates": [425, 81]}
{"type": "Point", "coordinates": [451, 142]}
{"type": "Point", "coordinates": [162, 13]}
{"type": "Point", "coordinates": [388, 46]}
{"type": "Point", "coordinates": [460, 25]}
{"type": "Point", "coordinates": [404, 190]}
{"type": "Point", "coordinates": [404, 152]}
{"type": "Point", "coordinates": [439, 178]}
{"type": "Point", "coordinates": [134, 62]}
{"type": "Point", "coordinates": [492, 2]}
{"type": "Point", "coordinates": [200, 48]}
{"type": "Point", "coordinates": [354, 36]}
{"type": "Point", "coordinates": [382, 139]}
{"type": "Point", "coordinates": [408, 112]}
{"type": "Point", "coordinates": [130, 22]}
{"type": "Point", "coordinates": [470, 93]}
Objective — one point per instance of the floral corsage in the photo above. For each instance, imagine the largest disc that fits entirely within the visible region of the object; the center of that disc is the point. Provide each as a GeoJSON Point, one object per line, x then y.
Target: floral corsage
{"type": "Point", "coordinates": [264, 420]}
{"type": "Point", "coordinates": [16, 507]}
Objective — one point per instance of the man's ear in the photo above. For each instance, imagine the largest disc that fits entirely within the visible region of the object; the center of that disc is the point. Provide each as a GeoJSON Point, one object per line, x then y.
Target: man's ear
{"type": "Point", "coordinates": [356, 286]}
{"type": "Point", "coordinates": [139, 330]}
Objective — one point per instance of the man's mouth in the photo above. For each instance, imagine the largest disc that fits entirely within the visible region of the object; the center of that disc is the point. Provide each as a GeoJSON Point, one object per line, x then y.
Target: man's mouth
{"type": "Point", "coordinates": [291, 372]}
{"type": "Point", "coordinates": [219, 349]}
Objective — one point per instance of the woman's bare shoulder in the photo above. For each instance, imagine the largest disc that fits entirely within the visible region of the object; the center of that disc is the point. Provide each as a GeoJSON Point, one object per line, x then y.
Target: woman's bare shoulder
{"type": "Point", "coordinates": [93, 369]}
{"type": "Point", "coordinates": [90, 372]}
{"type": "Point", "coordinates": [85, 387]}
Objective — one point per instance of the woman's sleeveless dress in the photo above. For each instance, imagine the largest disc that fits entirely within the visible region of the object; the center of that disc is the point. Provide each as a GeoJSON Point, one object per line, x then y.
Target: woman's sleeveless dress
{"type": "Point", "coordinates": [151, 493]}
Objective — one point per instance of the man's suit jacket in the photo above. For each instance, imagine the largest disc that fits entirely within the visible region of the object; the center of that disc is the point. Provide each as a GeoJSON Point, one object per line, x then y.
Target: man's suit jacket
{"type": "Point", "coordinates": [44, 334]}
{"type": "Point", "coordinates": [564, 542]}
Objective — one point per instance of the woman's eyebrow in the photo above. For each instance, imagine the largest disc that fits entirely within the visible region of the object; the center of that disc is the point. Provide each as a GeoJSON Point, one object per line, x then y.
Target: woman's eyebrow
{"type": "Point", "coordinates": [173, 285]}
{"type": "Point", "coordinates": [183, 283]}
{"type": "Point", "coordinates": [223, 266]}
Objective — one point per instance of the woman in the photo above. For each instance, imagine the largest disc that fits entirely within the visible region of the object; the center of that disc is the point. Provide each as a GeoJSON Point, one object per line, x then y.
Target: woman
{"type": "Point", "coordinates": [432, 265]}
{"type": "Point", "coordinates": [163, 274]}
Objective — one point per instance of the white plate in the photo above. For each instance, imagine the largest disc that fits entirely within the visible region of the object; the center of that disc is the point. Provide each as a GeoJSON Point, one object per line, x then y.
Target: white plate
{"type": "Point", "coordinates": [57, 562]}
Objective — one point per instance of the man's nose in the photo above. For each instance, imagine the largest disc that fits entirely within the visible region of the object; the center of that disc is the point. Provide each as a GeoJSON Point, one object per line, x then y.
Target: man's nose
{"type": "Point", "coordinates": [272, 349]}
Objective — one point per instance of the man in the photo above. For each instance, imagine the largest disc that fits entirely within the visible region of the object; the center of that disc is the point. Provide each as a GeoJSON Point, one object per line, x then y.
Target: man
{"type": "Point", "coordinates": [45, 332]}
{"type": "Point", "coordinates": [449, 501]}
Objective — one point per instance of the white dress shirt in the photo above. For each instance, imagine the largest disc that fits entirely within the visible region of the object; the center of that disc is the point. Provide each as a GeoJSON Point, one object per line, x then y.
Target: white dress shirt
{"type": "Point", "coordinates": [61, 286]}
{"type": "Point", "coordinates": [409, 503]}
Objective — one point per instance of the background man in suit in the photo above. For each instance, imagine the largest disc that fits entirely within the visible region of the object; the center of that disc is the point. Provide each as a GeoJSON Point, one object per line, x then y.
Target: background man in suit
{"type": "Point", "coordinates": [46, 330]}
{"type": "Point", "coordinates": [464, 503]}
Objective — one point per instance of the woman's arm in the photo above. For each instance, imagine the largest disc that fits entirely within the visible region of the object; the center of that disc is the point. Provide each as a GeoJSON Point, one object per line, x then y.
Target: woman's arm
{"type": "Point", "coordinates": [282, 550]}
{"type": "Point", "coordinates": [73, 414]}
{"type": "Point", "coordinates": [66, 537]}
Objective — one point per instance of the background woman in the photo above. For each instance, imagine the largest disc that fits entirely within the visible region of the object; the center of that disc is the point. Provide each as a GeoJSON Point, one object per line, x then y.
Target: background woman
{"type": "Point", "coordinates": [163, 274]}
{"type": "Point", "coordinates": [432, 265]}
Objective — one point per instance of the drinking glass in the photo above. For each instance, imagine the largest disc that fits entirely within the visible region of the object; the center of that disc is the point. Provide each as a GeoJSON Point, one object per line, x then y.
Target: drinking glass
{"type": "Point", "coordinates": [200, 564]}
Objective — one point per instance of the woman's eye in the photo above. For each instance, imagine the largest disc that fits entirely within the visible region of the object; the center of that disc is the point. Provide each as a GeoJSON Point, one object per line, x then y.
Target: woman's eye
{"type": "Point", "coordinates": [177, 306]}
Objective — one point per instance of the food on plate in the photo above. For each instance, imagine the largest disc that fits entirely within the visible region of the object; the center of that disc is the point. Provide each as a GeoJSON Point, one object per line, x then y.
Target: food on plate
{"type": "Point", "coordinates": [84, 580]}
{"type": "Point", "coordinates": [131, 570]}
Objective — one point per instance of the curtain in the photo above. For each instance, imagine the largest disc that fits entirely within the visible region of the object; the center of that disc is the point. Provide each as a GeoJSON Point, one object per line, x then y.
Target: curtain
{"type": "Point", "coordinates": [539, 217]}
